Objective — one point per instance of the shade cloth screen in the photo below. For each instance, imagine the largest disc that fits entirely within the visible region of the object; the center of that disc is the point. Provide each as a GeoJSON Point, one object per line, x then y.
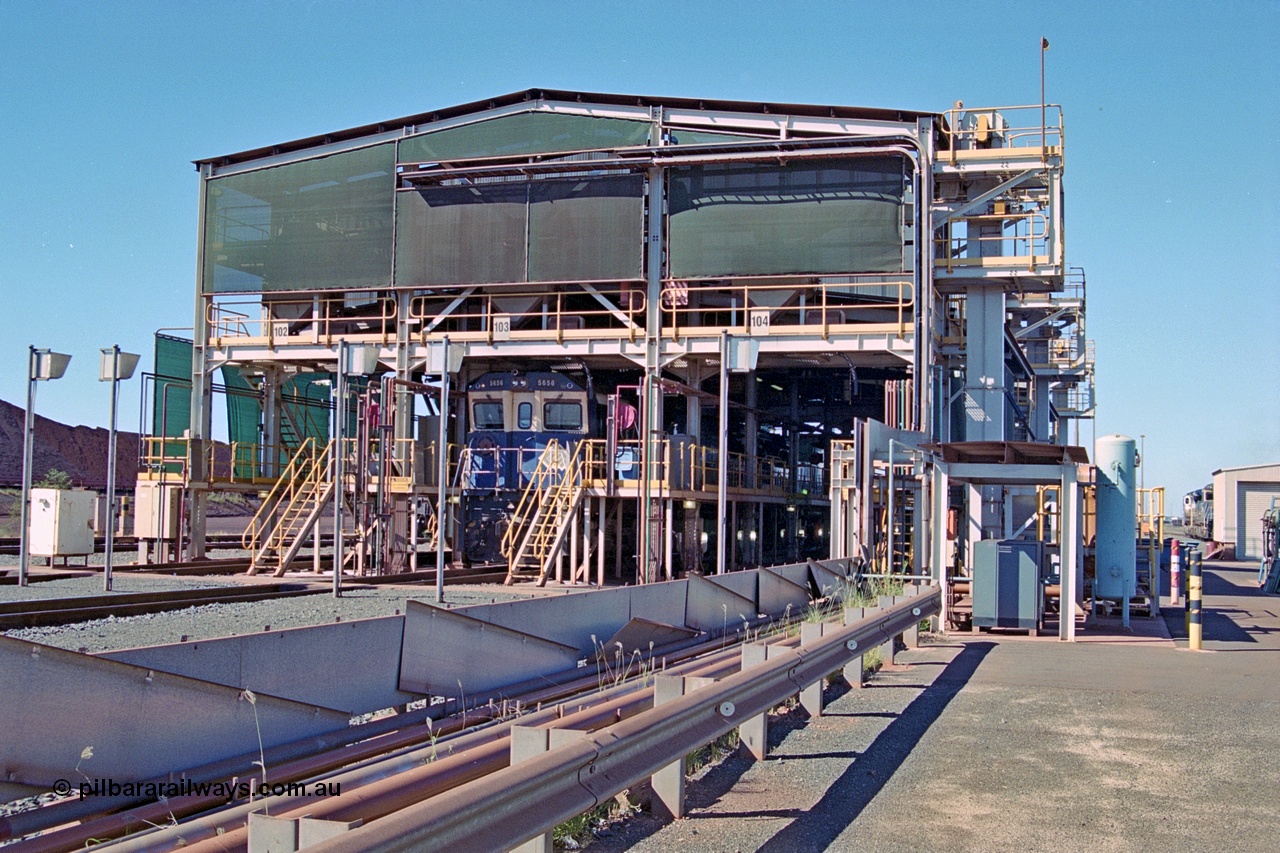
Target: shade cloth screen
{"type": "Point", "coordinates": [816, 216]}
{"type": "Point", "coordinates": [318, 224]}
{"type": "Point", "coordinates": [588, 228]}
{"type": "Point", "coordinates": [524, 133]}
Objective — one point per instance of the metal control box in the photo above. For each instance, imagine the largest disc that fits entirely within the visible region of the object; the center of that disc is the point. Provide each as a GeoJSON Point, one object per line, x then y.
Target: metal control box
{"type": "Point", "coordinates": [61, 522]}
{"type": "Point", "coordinates": [157, 511]}
{"type": "Point", "coordinates": [1007, 591]}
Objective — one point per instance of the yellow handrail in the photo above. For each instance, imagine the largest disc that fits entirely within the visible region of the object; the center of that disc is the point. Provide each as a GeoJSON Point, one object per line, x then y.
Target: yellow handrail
{"type": "Point", "coordinates": [539, 481]}
{"type": "Point", "coordinates": [563, 495]}
{"type": "Point", "coordinates": [293, 472]}
{"type": "Point", "coordinates": [301, 498]}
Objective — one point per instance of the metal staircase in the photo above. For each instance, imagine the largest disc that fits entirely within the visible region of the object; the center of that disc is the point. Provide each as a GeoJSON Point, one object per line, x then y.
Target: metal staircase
{"type": "Point", "coordinates": [543, 515]}
{"type": "Point", "coordinates": [291, 509]}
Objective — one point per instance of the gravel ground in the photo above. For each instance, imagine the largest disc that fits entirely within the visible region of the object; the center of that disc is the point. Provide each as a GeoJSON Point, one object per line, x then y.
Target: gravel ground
{"type": "Point", "coordinates": [1000, 743]}
{"type": "Point", "coordinates": [221, 620]}
{"type": "Point", "coordinates": [120, 583]}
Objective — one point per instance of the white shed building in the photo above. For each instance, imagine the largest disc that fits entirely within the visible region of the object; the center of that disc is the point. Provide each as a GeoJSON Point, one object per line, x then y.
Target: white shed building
{"type": "Point", "coordinates": [1241, 495]}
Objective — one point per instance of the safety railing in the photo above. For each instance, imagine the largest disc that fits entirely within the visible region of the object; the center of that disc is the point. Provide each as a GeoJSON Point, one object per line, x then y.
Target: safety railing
{"type": "Point", "coordinates": [317, 319]}
{"type": "Point", "coordinates": [990, 131]}
{"type": "Point", "coordinates": [753, 307]}
{"type": "Point", "coordinates": [546, 531]}
{"type": "Point", "coordinates": [293, 481]}
{"type": "Point", "coordinates": [551, 466]}
{"type": "Point", "coordinates": [526, 799]}
{"type": "Point", "coordinates": [1015, 240]}
{"type": "Point", "coordinates": [298, 511]}
{"type": "Point", "coordinates": [679, 466]}
{"type": "Point", "coordinates": [582, 310]}
{"type": "Point", "coordinates": [165, 458]}
{"type": "Point", "coordinates": [1151, 513]}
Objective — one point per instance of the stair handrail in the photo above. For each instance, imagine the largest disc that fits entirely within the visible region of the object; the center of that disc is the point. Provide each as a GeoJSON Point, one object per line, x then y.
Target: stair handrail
{"type": "Point", "coordinates": [539, 482]}
{"type": "Point", "coordinates": [561, 502]}
{"type": "Point", "coordinates": [257, 524]}
{"type": "Point", "coordinates": [311, 484]}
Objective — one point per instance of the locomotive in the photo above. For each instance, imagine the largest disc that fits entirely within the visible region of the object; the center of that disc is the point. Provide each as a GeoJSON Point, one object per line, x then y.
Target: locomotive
{"type": "Point", "coordinates": [513, 417]}
{"type": "Point", "coordinates": [1197, 512]}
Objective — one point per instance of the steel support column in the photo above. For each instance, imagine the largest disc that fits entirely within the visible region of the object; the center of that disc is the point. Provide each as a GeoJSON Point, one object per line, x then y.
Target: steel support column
{"type": "Point", "coordinates": [200, 431]}
{"type": "Point", "coordinates": [1069, 533]}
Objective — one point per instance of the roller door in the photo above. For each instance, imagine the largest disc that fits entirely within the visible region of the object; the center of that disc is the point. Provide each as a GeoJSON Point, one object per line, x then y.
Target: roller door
{"type": "Point", "coordinates": [1252, 500]}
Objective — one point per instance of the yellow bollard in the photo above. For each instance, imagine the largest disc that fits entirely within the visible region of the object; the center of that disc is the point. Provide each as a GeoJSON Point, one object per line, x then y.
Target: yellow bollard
{"type": "Point", "coordinates": [1195, 628]}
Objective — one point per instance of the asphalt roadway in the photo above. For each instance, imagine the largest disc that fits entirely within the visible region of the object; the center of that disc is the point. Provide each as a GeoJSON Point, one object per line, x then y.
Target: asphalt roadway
{"type": "Point", "coordinates": [1125, 740]}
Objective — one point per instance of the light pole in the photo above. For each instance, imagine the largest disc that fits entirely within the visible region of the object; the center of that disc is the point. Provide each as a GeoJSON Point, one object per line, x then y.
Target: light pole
{"type": "Point", "coordinates": [1142, 461]}
{"type": "Point", "coordinates": [42, 365]}
{"type": "Point", "coordinates": [114, 365]}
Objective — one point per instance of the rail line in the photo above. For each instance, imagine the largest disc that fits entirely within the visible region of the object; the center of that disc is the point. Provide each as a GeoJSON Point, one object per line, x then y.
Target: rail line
{"type": "Point", "coordinates": [48, 612]}
{"type": "Point", "coordinates": [376, 751]}
{"type": "Point", "coordinates": [411, 779]}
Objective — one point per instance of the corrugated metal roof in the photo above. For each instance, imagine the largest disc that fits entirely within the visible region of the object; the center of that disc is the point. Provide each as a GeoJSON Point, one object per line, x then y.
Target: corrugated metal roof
{"type": "Point", "coordinates": [1275, 465]}
{"type": "Point", "coordinates": [529, 95]}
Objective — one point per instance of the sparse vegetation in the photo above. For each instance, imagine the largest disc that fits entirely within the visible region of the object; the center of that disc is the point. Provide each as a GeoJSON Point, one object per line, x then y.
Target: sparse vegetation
{"type": "Point", "coordinates": [578, 832]}
{"type": "Point", "coordinates": [53, 479]}
{"type": "Point", "coordinates": [711, 753]}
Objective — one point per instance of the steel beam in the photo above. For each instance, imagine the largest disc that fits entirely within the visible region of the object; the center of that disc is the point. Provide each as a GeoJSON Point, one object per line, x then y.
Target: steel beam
{"type": "Point", "coordinates": [441, 648]}
{"type": "Point", "coordinates": [507, 808]}
{"type": "Point", "coordinates": [141, 723]}
{"type": "Point", "coordinates": [285, 663]}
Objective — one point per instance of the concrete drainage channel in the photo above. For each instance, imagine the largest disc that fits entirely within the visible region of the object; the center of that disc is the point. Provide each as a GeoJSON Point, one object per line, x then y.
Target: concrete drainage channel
{"type": "Point", "coordinates": [720, 657]}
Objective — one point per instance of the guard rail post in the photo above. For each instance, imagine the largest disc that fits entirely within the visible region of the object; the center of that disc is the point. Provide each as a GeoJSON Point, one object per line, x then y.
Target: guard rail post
{"type": "Point", "coordinates": [753, 733]}
{"type": "Point", "coordinates": [668, 783]}
{"type": "Point", "coordinates": [890, 645]}
{"type": "Point", "coordinates": [528, 742]}
{"type": "Point", "coordinates": [1175, 573]}
{"type": "Point", "coordinates": [1195, 633]}
{"type": "Point", "coordinates": [853, 669]}
{"type": "Point", "coordinates": [811, 695]}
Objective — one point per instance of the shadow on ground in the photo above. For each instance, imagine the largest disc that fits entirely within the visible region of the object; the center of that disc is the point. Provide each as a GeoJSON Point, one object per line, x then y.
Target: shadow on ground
{"type": "Point", "coordinates": [818, 827]}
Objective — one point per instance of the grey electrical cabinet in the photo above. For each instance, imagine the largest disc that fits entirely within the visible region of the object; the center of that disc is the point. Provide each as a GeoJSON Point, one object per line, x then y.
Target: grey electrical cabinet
{"type": "Point", "coordinates": [1006, 584]}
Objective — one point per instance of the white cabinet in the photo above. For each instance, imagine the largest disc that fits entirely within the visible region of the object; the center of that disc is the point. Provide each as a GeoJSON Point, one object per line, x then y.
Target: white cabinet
{"type": "Point", "coordinates": [61, 522]}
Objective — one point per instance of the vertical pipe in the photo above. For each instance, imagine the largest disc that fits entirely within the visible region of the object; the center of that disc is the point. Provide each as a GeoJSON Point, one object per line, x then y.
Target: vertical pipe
{"type": "Point", "coordinates": [600, 545]}
{"type": "Point", "coordinates": [669, 537]}
{"type": "Point", "coordinates": [339, 454]}
{"type": "Point", "coordinates": [442, 467]}
{"type": "Point", "coordinates": [111, 470]}
{"type": "Point", "coordinates": [413, 534]}
{"type": "Point", "coordinates": [889, 549]}
{"type": "Point", "coordinates": [201, 387]}
{"type": "Point", "coordinates": [722, 472]}
{"type": "Point", "coordinates": [28, 447]}
{"type": "Point", "coordinates": [573, 546]}
{"type": "Point", "coordinates": [1044, 45]}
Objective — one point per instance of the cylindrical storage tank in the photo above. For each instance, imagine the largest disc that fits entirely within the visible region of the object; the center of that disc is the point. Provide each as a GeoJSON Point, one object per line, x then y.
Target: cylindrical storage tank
{"type": "Point", "coordinates": [1117, 517]}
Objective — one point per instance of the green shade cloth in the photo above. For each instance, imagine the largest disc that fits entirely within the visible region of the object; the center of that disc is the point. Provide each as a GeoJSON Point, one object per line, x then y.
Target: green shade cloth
{"type": "Point", "coordinates": [318, 224]}
{"type": "Point", "coordinates": [171, 410]}
{"type": "Point", "coordinates": [523, 133]}
{"type": "Point", "coordinates": [588, 228]}
{"type": "Point", "coordinates": [811, 217]}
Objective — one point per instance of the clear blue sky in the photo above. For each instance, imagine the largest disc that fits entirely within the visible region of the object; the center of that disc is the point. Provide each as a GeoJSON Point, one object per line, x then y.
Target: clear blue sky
{"type": "Point", "coordinates": [1172, 155]}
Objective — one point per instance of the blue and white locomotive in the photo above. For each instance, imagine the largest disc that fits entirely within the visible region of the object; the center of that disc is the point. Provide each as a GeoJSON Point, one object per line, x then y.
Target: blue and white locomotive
{"type": "Point", "coordinates": [513, 417]}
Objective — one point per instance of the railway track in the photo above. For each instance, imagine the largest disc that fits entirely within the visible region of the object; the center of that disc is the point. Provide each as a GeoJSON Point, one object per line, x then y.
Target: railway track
{"type": "Point", "coordinates": [392, 763]}
{"type": "Point", "coordinates": [10, 544]}
{"type": "Point", "coordinates": [398, 772]}
{"type": "Point", "coordinates": [405, 775]}
{"type": "Point", "coordinates": [48, 612]}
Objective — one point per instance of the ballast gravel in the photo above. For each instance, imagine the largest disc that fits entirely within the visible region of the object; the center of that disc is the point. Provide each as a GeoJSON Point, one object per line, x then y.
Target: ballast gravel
{"type": "Point", "coordinates": [221, 620]}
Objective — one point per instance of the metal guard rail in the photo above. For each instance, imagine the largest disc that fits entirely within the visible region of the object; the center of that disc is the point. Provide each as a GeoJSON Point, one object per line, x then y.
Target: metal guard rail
{"type": "Point", "coordinates": [507, 808]}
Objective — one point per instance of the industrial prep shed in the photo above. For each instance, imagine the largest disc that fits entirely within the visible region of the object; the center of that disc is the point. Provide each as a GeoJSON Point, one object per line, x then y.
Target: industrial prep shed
{"type": "Point", "coordinates": [1243, 494]}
